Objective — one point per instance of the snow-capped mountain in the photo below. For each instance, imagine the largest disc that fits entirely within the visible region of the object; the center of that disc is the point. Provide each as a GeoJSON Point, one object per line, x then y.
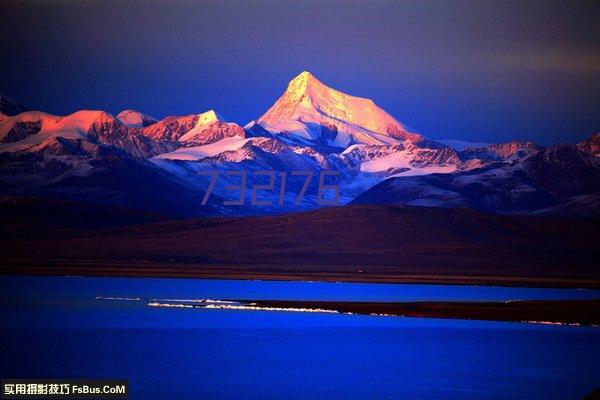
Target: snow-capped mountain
{"type": "Point", "coordinates": [192, 130]}
{"type": "Point", "coordinates": [134, 160]}
{"type": "Point", "coordinates": [210, 128]}
{"type": "Point", "coordinates": [542, 180]}
{"type": "Point", "coordinates": [32, 130]}
{"type": "Point", "coordinates": [135, 119]}
{"type": "Point", "coordinates": [312, 113]}
{"type": "Point", "coordinates": [317, 127]}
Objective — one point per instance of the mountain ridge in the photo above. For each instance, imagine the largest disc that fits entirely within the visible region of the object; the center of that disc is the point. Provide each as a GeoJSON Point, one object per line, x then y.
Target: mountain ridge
{"type": "Point", "coordinates": [311, 127]}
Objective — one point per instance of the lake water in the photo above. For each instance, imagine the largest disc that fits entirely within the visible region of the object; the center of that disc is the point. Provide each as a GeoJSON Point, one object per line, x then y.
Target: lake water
{"type": "Point", "coordinates": [55, 327]}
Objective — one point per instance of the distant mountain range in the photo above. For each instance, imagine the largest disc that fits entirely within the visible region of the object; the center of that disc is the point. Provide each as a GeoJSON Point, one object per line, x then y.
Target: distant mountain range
{"type": "Point", "coordinates": [137, 161]}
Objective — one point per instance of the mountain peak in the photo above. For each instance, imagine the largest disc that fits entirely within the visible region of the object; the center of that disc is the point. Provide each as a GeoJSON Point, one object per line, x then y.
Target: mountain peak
{"type": "Point", "coordinates": [303, 76]}
{"type": "Point", "coordinates": [209, 117]}
{"type": "Point", "coordinates": [210, 127]}
{"type": "Point", "coordinates": [591, 145]}
{"type": "Point", "coordinates": [301, 83]}
{"type": "Point", "coordinates": [135, 119]}
{"type": "Point", "coordinates": [310, 111]}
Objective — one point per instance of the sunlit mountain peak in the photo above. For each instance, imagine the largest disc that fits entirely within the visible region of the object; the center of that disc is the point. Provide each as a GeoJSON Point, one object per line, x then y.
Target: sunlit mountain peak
{"type": "Point", "coordinates": [307, 105]}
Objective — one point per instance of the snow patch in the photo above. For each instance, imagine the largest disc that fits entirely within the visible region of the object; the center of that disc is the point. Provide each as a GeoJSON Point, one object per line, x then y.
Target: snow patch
{"type": "Point", "coordinates": [200, 152]}
{"type": "Point", "coordinates": [135, 119]}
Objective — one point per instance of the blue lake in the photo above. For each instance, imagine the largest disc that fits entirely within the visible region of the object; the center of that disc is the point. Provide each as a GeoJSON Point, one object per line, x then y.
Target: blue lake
{"type": "Point", "coordinates": [55, 327]}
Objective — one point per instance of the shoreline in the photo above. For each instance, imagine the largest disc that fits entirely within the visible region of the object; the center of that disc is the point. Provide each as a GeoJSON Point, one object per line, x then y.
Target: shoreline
{"type": "Point", "coordinates": [563, 312]}
{"type": "Point", "coordinates": [541, 312]}
{"type": "Point", "coordinates": [546, 312]}
{"type": "Point", "coordinates": [249, 272]}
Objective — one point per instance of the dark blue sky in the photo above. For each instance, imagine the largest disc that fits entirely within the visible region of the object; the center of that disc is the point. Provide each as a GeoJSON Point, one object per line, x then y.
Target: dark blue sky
{"type": "Point", "coordinates": [476, 71]}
